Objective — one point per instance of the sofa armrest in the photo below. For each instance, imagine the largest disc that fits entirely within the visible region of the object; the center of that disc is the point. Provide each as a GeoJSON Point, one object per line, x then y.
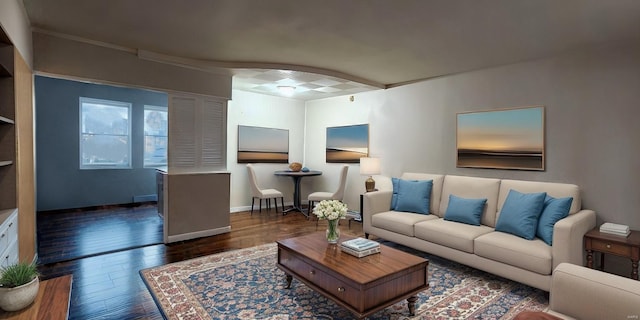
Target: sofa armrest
{"type": "Point", "coordinates": [372, 203]}
{"type": "Point", "coordinates": [584, 293]}
{"type": "Point", "coordinates": [568, 234]}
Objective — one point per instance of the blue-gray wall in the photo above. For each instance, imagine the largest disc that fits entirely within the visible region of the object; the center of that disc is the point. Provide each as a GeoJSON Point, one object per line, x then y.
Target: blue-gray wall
{"type": "Point", "coordinates": [60, 182]}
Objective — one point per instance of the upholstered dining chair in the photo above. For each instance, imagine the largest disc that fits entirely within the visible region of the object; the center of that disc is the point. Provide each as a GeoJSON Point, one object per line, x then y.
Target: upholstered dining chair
{"type": "Point", "coordinates": [260, 194]}
{"type": "Point", "coordinates": [337, 195]}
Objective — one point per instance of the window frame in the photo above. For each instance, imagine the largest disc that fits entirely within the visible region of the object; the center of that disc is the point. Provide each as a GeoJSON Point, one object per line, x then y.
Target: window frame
{"type": "Point", "coordinates": [144, 137]}
{"type": "Point", "coordinates": [112, 103]}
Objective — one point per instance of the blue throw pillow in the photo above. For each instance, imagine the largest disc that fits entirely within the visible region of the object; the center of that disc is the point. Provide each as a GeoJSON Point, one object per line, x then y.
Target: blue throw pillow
{"type": "Point", "coordinates": [463, 210]}
{"type": "Point", "coordinates": [394, 196]}
{"type": "Point", "coordinates": [520, 213]}
{"type": "Point", "coordinates": [414, 195]}
{"type": "Point", "coordinates": [553, 210]}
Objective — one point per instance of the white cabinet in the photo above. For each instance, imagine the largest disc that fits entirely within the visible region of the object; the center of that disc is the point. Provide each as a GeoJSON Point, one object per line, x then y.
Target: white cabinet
{"type": "Point", "coordinates": [8, 237]}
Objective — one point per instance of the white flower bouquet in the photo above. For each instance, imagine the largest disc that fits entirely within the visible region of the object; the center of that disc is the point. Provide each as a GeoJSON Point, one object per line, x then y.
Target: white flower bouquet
{"type": "Point", "coordinates": [330, 210]}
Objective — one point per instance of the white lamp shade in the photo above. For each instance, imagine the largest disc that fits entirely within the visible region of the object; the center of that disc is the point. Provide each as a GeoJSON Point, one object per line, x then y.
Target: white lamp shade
{"type": "Point", "coordinates": [369, 166]}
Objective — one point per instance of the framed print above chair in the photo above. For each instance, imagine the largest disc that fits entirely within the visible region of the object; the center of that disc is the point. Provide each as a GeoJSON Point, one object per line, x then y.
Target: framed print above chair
{"type": "Point", "coordinates": [262, 145]}
{"type": "Point", "coordinates": [347, 144]}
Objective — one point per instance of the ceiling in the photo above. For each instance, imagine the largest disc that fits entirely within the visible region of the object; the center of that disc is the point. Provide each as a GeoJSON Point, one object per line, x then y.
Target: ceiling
{"type": "Point", "coordinates": [338, 47]}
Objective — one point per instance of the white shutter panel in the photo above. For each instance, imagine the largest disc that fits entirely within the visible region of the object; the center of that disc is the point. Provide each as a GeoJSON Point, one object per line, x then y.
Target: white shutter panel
{"type": "Point", "coordinates": [197, 134]}
{"type": "Point", "coordinates": [213, 135]}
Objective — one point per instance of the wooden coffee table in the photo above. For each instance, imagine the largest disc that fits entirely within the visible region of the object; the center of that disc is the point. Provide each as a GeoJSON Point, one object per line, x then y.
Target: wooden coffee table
{"type": "Point", "coordinates": [361, 285]}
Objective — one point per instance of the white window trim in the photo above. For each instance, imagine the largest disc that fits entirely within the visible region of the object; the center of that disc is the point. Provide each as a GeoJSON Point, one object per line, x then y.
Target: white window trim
{"type": "Point", "coordinates": [80, 133]}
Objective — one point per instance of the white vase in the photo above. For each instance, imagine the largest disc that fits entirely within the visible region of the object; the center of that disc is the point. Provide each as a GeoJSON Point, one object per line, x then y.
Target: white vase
{"type": "Point", "coordinates": [14, 299]}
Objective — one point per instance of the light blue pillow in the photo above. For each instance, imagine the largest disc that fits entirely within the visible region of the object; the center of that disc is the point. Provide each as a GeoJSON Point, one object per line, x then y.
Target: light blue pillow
{"type": "Point", "coordinates": [554, 209]}
{"type": "Point", "coordinates": [414, 195]}
{"type": "Point", "coordinates": [463, 210]}
{"type": "Point", "coordinates": [394, 196]}
{"type": "Point", "coordinates": [520, 213]}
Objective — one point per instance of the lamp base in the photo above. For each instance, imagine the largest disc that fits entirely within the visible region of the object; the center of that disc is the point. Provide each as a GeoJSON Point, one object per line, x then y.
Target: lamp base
{"type": "Point", "coordinates": [370, 184]}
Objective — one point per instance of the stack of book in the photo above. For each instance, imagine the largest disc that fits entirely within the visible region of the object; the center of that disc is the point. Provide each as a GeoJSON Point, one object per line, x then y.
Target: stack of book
{"type": "Point", "coordinates": [360, 247]}
{"type": "Point", "coordinates": [616, 229]}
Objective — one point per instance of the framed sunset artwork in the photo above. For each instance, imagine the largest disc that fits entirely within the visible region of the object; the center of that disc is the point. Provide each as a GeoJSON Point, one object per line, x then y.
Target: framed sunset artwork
{"type": "Point", "coordinates": [347, 144]}
{"type": "Point", "coordinates": [262, 145]}
{"type": "Point", "coordinates": [501, 139]}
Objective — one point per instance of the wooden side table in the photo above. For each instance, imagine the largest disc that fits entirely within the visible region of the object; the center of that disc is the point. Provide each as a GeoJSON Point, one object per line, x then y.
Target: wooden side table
{"type": "Point", "coordinates": [627, 247]}
{"type": "Point", "coordinates": [52, 302]}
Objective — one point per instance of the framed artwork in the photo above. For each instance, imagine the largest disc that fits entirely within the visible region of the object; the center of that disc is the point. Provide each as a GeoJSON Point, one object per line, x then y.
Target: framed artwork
{"type": "Point", "coordinates": [266, 145]}
{"type": "Point", "coordinates": [347, 144]}
{"type": "Point", "coordinates": [501, 139]}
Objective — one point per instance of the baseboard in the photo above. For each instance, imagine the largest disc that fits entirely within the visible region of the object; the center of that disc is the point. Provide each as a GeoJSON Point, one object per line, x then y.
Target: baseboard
{"type": "Point", "coordinates": [100, 207]}
{"type": "Point", "coordinates": [248, 208]}
{"type": "Point", "coordinates": [145, 198]}
{"type": "Point", "coordinates": [197, 234]}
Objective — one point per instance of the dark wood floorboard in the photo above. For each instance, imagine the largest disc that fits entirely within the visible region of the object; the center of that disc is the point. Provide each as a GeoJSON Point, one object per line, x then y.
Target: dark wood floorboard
{"type": "Point", "coordinates": [74, 234]}
{"type": "Point", "coordinates": [109, 286]}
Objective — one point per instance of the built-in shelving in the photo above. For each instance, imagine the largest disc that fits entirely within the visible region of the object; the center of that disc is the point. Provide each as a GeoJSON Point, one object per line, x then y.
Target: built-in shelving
{"type": "Point", "coordinates": [16, 142]}
{"type": "Point", "coordinates": [8, 174]}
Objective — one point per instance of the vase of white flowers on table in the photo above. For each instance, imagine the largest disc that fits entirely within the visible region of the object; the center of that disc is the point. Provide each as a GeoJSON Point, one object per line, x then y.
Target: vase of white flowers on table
{"type": "Point", "coordinates": [332, 211]}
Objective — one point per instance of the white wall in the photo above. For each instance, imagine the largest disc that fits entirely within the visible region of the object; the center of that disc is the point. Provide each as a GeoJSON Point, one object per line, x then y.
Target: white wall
{"type": "Point", "coordinates": [592, 138]}
{"type": "Point", "coordinates": [259, 110]}
{"type": "Point", "coordinates": [334, 112]}
{"type": "Point", "coordinates": [86, 61]}
{"type": "Point", "coordinates": [15, 23]}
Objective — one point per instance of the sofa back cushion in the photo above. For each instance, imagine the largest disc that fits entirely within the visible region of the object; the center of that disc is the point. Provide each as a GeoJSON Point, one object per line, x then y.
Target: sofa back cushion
{"type": "Point", "coordinates": [475, 188]}
{"type": "Point", "coordinates": [436, 188]}
{"type": "Point", "coordinates": [556, 190]}
{"type": "Point", "coordinates": [413, 196]}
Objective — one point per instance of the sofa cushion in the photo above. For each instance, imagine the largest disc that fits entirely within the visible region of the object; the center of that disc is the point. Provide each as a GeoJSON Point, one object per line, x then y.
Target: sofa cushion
{"type": "Point", "coordinates": [520, 213]}
{"type": "Point", "coordinates": [450, 234]}
{"type": "Point", "coordinates": [554, 209]}
{"type": "Point", "coordinates": [554, 189]}
{"type": "Point", "coordinates": [436, 189]}
{"type": "Point", "coordinates": [533, 255]}
{"type": "Point", "coordinates": [399, 222]}
{"type": "Point", "coordinates": [475, 188]}
{"type": "Point", "coordinates": [394, 196]}
{"type": "Point", "coordinates": [413, 196]}
{"type": "Point", "coordinates": [465, 210]}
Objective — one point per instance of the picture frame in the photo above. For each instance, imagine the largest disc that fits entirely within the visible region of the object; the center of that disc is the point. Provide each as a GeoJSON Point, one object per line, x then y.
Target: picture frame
{"type": "Point", "coordinates": [512, 138]}
{"type": "Point", "coordinates": [347, 144]}
{"type": "Point", "coordinates": [262, 145]}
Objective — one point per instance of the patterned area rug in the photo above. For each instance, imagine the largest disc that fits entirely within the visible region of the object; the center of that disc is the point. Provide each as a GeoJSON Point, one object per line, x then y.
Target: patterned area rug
{"type": "Point", "coordinates": [246, 284]}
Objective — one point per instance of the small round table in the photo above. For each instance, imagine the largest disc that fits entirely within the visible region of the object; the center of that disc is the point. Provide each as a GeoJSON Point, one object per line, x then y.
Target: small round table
{"type": "Point", "coordinates": [297, 176]}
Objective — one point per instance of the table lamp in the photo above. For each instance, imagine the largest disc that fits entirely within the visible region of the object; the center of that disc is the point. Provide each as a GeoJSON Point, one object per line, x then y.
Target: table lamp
{"type": "Point", "coordinates": [369, 167]}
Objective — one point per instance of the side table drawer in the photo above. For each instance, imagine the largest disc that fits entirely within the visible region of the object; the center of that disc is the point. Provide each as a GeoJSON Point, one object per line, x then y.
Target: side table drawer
{"type": "Point", "coordinates": [610, 247]}
{"type": "Point", "coordinates": [8, 232]}
{"type": "Point", "coordinates": [9, 240]}
{"type": "Point", "coordinates": [9, 256]}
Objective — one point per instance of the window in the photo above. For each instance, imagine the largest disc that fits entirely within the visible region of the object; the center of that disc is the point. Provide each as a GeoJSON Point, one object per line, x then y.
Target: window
{"type": "Point", "coordinates": [155, 136]}
{"type": "Point", "coordinates": [105, 139]}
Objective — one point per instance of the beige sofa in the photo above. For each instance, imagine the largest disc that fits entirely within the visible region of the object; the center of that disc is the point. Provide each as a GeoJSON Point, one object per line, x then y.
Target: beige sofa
{"type": "Point", "coordinates": [527, 261]}
{"type": "Point", "coordinates": [582, 293]}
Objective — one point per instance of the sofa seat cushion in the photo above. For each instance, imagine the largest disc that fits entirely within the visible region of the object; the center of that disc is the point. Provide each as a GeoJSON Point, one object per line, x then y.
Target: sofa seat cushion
{"type": "Point", "coordinates": [533, 255]}
{"type": "Point", "coordinates": [399, 222]}
{"type": "Point", "coordinates": [450, 234]}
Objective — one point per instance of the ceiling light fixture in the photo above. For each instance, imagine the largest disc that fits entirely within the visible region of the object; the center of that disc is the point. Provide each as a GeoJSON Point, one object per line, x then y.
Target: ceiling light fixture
{"type": "Point", "coordinates": [287, 90]}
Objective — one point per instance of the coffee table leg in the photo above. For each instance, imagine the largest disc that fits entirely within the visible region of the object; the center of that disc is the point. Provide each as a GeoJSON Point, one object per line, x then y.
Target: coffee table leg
{"type": "Point", "coordinates": [412, 305]}
{"type": "Point", "coordinates": [289, 278]}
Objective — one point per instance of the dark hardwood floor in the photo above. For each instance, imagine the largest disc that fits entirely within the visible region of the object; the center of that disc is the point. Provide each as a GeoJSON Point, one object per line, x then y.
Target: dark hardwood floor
{"type": "Point", "coordinates": [73, 234]}
{"type": "Point", "coordinates": [108, 286]}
